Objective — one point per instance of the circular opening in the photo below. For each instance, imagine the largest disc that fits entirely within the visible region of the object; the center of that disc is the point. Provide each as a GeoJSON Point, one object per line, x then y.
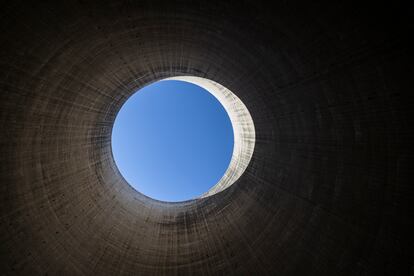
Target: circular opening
{"type": "Point", "coordinates": [172, 140]}
{"type": "Point", "coordinates": [182, 138]}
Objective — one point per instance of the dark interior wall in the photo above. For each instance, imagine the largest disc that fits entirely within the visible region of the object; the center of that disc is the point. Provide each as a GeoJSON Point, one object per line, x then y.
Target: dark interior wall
{"type": "Point", "coordinates": [327, 192]}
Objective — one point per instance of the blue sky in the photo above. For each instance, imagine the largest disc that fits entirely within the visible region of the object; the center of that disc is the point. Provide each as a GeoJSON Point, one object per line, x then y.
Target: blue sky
{"type": "Point", "coordinates": [172, 140]}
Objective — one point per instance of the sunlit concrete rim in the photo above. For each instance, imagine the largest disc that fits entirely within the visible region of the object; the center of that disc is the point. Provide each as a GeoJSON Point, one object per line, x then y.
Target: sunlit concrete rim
{"type": "Point", "coordinates": [243, 129]}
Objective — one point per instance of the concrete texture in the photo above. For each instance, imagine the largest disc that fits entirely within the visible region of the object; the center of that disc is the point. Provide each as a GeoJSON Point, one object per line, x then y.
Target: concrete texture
{"type": "Point", "coordinates": [328, 190]}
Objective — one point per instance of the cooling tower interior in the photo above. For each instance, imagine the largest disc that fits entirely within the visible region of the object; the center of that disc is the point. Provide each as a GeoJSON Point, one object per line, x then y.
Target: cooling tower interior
{"type": "Point", "coordinates": [328, 189]}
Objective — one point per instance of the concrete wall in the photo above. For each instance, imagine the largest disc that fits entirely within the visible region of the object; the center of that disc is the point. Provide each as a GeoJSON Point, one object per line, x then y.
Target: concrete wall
{"type": "Point", "coordinates": [328, 190]}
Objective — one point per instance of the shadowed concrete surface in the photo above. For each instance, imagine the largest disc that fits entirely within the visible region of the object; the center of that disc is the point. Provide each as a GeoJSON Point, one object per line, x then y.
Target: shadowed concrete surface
{"type": "Point", "coordinates": [328, 190]}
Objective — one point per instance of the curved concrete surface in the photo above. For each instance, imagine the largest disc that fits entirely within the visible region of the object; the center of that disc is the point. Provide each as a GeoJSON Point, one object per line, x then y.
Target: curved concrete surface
{"type": "Point", "coordinates": [243, 130]}
{"type": "Point", "coordinates": [327, 192]}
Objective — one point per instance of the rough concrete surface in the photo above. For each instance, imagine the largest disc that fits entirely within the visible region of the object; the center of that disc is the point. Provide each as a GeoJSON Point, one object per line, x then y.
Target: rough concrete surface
{"type": "Point", "coordinates": [327, 191]}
